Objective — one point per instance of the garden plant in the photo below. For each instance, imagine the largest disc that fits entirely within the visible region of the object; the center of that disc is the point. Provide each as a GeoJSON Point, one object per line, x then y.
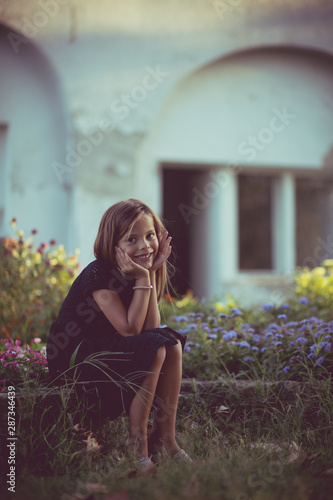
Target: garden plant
{"type": "Point", "coordinates": [267, 444]}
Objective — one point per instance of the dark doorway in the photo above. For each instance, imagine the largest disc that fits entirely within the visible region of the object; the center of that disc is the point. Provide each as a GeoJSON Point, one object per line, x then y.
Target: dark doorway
{"type": "Point", "coordinates": [177, 184]}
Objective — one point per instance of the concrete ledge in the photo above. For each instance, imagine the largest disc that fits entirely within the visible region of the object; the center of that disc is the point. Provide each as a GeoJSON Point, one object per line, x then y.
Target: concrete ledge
{"type": "Point", "coordinates": [242, 391]}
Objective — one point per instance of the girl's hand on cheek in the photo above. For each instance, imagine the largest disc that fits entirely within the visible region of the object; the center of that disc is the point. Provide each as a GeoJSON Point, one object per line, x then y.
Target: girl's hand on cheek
{"type": "Point", "coordinates": [127, 266]}
{"type": "Point", "coordinates": [164, 252]}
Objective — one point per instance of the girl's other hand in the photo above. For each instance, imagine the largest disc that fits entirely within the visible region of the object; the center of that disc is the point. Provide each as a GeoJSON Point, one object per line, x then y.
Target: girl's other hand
{"type": "Point", "coordinates": [164, 252]}
{"type": "Point", "coordinates": [127, 266]}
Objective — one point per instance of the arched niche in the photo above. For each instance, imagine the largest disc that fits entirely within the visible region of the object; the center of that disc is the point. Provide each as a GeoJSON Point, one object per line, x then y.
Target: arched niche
{"type": "Point", "coordinates": [34, 130]}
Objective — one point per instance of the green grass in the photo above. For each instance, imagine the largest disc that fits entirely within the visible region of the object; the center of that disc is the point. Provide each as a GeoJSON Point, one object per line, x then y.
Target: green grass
{"type": "Point", "coordinates": [263, 447]}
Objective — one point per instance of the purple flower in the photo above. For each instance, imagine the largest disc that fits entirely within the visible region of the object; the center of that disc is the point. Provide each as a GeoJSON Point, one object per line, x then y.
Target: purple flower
{"type": "Point", "coordinates": [327, 346]}
{"type": "Point", "coordinates": [223, 315]}
{"type": "Point", "coordinates": [282, 316]}
{"type": "Point", "coordinates": [212, 336]}
{"type": "Point", "coordinates": [322, 345]}
{"type": "Point", "coordinates": [267, 307]}
{"type": "Point", "coordinates": [320, 360]}
{"type": "Point", "coordinates": [302, 340]}
{"type": "Point", "coordinates": [230, 335]}
{"type": "Point", "coordinates": [273, 326]}
{"type": "Point", "coordinates": [244, 343]}
{"type": "Point", "coordinates": [235, 312]}
{"type": "Point", "coordinates": [311, 355]}
{"type": "Point", "coordinates": [291, 324]}
{"type": "Point", "coordinates": [248, 358]}
{"type": "Point", "coordinates": [286, 369]}
{"type": "Point", "coordinates": [285, 306]}
{"type": "Point", "coordinates": [179, 319]}
{"type": "Point", "coordinates": [303, 300]}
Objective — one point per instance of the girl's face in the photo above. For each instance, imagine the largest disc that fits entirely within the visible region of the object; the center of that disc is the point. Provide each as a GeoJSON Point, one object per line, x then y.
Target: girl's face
{"type": "Point", "coordinates": [142, 243]}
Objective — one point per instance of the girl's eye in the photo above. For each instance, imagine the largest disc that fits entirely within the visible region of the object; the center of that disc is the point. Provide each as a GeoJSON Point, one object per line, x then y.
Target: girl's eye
{"type": "Point", "coordinates": [131, 240]}
{"type": "Point", "coordinates": [151, 236]}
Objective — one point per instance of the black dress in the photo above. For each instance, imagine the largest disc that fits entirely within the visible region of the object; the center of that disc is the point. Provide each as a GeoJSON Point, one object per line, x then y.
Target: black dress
{"type": "Point", "coordinates": [84, 346]}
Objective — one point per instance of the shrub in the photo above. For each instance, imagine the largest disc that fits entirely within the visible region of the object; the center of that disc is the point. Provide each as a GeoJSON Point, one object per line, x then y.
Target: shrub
{"type": "Point", "coordinates": [33, 284]}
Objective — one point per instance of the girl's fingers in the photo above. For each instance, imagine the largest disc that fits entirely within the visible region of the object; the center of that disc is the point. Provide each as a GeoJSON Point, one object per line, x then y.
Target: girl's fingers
{"type": "Point", "coordinates": [166, 244]}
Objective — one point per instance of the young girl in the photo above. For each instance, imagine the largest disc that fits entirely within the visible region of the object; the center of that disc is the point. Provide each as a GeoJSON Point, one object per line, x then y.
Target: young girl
{"type": "Point", "coordinates": [108, 331]}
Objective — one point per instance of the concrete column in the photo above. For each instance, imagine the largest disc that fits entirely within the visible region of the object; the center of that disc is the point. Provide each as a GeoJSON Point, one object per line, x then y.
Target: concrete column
{"type": "Point", "coordinates": [284, 224]}
{"type": "Point", "coordinates": [227, 230]}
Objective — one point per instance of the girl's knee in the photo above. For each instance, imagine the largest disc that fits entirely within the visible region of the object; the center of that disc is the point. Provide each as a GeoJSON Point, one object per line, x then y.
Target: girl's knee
{"type": "Point", "coordinates": [160, 355]}
{"type": "Point", "coordinates": [175, 352]}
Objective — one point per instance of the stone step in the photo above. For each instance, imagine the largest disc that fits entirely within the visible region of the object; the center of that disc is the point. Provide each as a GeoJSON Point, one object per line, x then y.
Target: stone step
{"type": "Point", "coordinates": [219, 391]}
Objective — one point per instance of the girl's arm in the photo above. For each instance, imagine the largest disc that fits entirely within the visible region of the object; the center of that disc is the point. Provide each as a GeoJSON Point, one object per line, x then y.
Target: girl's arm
{"type": "Point", "coordinates": [127, 322]}
{"type": "Point", "coordinates": [153, 318]}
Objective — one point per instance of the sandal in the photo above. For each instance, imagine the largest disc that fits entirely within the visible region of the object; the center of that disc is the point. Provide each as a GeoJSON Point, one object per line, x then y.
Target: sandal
{"type": "Point", "coordinates": [182, 456]}
{"type": "Point", "coordinates": [144, 462]}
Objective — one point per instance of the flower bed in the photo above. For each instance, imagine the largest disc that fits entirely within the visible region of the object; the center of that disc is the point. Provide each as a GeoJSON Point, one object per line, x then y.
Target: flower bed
{"type": "Point", "coordinates": [33, 284]}
{"type": "Point", "coordinates": [273, 342]}
{"type": "Point", "coordinates": [221, 344]}
{"type": "Point", "coordinates": [22, 363]}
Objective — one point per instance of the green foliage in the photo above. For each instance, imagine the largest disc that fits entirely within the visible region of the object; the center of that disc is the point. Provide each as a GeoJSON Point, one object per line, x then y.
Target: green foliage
{"type": "Point", "coordinates": [33, 285]}
{"type": "Point", "coordinates": [317, 286]}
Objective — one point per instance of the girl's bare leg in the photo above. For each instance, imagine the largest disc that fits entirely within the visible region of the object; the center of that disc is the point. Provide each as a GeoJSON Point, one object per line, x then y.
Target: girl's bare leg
{"type": "Point", "coordinates": [167, 393]}
{"type": "Point", "coordinates": [141, 406]}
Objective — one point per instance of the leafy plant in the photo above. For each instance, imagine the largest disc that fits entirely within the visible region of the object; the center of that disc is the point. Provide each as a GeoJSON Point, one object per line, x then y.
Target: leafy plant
{"type": "Point", "coordinates": [33, 284]}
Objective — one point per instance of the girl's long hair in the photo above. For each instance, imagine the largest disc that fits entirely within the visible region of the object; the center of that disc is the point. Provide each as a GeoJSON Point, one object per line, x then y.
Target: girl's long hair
{"type": "Point", "coordinates": [117, 221]}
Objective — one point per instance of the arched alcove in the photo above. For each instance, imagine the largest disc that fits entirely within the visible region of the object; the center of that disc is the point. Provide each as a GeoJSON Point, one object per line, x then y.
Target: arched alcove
{"type": "Point", "coordinates": [34, 128]}
{"type": "Point", "coordinates": [266, 112]}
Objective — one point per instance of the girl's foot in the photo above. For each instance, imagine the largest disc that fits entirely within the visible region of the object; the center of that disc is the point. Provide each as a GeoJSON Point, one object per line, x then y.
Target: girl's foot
{"type": "Point", "coordinates": [146, 467]}
{"type": "Point", "coordinates": [144, 462]}
{"type": "Point", "coordinates": [182, 456]}
{"type": "Point", "coordinates": [156, 445]}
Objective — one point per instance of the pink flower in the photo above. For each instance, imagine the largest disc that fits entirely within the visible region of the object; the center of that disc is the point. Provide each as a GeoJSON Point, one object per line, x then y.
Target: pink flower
{"type": "Point", "coordinates": [34, 231]}
{"type": "Point", "coordinates": [36, 340]}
